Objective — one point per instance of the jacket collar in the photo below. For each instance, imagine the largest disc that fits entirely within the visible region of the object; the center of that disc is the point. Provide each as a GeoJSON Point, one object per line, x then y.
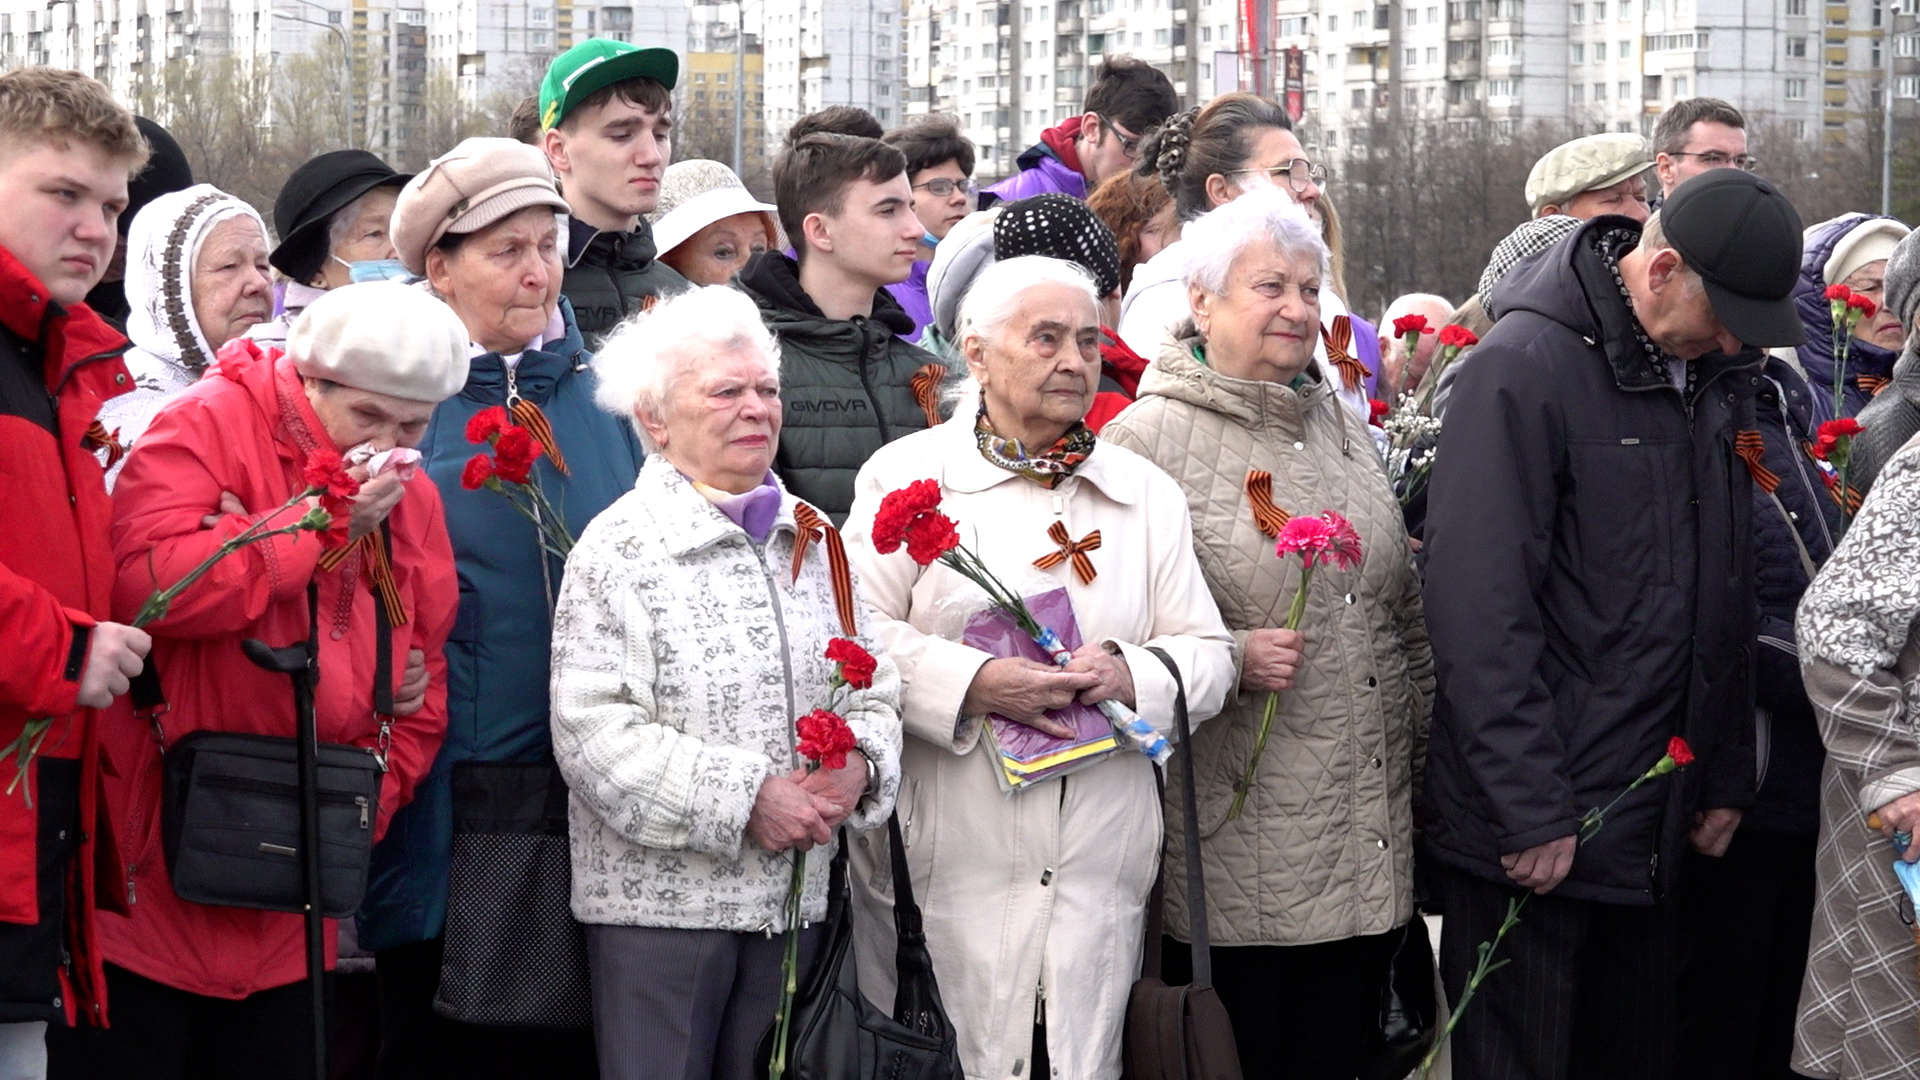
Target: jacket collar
{"type": "Point", "coordinates": [1256, 404]}
{"type": "Point", "coordinates": [630, 250]}
{"type": "Point", "coordinates": [538, 371]}
{"type": "Point", "coordinates": [68, 336]}
{"type": "Point", "coordinates": [697, 524]}
{"type": "Point", "coordinates": [964, 469]}
{"type": "Point", "coordinates": [773, 280]}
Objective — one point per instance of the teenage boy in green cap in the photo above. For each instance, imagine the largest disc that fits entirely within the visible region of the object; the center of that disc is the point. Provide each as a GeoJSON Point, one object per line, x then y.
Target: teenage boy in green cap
{"type": "Point", "coordinates": [606, 114]}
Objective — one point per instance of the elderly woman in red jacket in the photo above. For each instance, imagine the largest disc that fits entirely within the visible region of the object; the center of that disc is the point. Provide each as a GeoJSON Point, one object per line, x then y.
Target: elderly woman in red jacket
{"type": "Point", "coordinates": [205, 991]}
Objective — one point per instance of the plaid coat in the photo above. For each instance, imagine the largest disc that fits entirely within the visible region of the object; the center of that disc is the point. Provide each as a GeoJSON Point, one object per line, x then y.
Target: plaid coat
{"type": "Point", "coordinates": [1860, 1004]}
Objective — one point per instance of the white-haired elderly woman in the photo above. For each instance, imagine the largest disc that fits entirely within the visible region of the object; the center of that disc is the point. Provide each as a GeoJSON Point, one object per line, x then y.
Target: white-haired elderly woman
{"type": "Point", "coordinates": [691, 632]}
{"type": "Point", "coordinates": [1038, 896]}
{"type": "Point", "coordinates": [1321, 856]}
{"type": "Point", "coordinates": [197, 277]}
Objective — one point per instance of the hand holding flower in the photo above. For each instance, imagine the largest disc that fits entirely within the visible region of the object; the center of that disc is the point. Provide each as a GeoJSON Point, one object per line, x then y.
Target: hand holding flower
{"type": "Point", "coordinates": [1114, 678]}
{"type": "Point", "coordinates": [1023, 690]}
{"type": "Point", "coordinates": [786, 816]}
{"type": "Point", "coordinates": [837, 792]}
{"type": "Point", "coordinates": [376, 500]}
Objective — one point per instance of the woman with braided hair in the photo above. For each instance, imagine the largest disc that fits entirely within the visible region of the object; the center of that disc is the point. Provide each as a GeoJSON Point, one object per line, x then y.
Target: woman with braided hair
{"type": "Point", "coordinates": [197, 277]}
{"type": "Point", "coordinates": [1207, 157]}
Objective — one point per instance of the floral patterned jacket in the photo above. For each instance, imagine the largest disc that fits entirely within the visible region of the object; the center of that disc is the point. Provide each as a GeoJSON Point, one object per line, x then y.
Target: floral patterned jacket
{"type": "Point", "coordinates": [682, 654]}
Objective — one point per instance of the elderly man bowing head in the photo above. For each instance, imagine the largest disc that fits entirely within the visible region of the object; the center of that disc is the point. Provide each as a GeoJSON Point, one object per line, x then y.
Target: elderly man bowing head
{"type": "Point", "coordinates": [1042, 893]}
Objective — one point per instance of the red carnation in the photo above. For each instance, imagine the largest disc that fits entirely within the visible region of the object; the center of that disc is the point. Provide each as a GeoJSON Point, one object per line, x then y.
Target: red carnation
{"type": "Point", "coordinates": [478, 471]}
{"type": "Point", "coordinates": [1377, 411]}
{"type": "Point", "coordinates": [487, 423]}
{"type": "Point", "coordinates": [1410, 324]}
{"type": "Point", "coordinates": [1679, 751]}
{"type": "Point", "coordinates": [514, 451]}
{"type": "Point", "coordinates": [1863, 305]}
{"type": "Point", "coordinates": [899, 510]}
{"type": "Point", "coordinates": [1827, 439]}
{"type": "Point", "coordinates": [930, 536]}
{"type": "Point", "coordinates": [856, 663]}
{"type": "Point", "coordinates": [1839, 292]}
{"type": "Point", "coordinates": [328, 477]}
{"type": "Point", "coordinates": [825, 738]}
{"type": "Point", "coordinates": [1458, 336]}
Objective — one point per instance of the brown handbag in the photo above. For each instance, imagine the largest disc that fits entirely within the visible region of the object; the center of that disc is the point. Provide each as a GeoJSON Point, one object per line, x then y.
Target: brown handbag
{"type": "Point", "coordinates": [1179, 1032]}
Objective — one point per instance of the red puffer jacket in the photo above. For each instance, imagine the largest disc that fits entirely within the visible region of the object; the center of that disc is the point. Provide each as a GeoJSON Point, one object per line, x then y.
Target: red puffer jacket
{"type": "Point", "coordinates": [56, 577]}
{"type": "Point", "coordinates": [249, 430]}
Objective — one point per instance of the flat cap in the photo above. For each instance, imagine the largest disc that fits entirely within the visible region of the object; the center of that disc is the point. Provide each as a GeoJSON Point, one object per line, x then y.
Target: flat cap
{"type": "Point", "coordinates": [467, 189]}
{"type": "Point", "coordinates": [383, 337]}
{"type": "Point", "coordinates": [1586, 164]}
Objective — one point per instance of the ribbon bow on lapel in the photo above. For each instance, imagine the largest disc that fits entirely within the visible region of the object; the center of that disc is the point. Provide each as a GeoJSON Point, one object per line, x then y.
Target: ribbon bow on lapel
{"type": "Point", "coordinates": [1752, 449]}
{"type": "Point", "coordinates": [810, 526]}
{"type": "Point", "coordinates": [1075, 550]}
{"type": "Point", "coordinates": [1339, 341]}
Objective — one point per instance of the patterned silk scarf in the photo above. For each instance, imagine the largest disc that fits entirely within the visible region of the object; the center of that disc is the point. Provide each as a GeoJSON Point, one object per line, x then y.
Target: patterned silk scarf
{"type": "Point", "coordinates": [1047, 468]}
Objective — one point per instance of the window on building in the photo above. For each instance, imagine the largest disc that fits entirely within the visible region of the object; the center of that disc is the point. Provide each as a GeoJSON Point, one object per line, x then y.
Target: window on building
{"type": "Point", "coordinates": [1328, 99]}
{"type": "Point", "coordinates": [1577, 14]}
{"type": "Point", "coordinates": [1599, 52]}
{"type": "Point", "coordinates": [1333, 24]}
{"type": "Point", "coordinates": [1433, 54]}
{"type": "Point", "coordinates": [1600, 12]}
{"type": "Point", "coordinates": [1359, 98]}
{"type": "Point", "coordinates": [1679, 87]}
{"type": "Point", "coordinates": [1907, 86]}
{"type": "Point", "coordinates": [1796, 90]}
{"type": "Point", "coordinates": [1576, 94]}
{"type": "Point", "coordinates": [1626, 10]}
{"type": "Point", "coordinates": [1359, 19]}
{"type": "Point", "coordinates": [1599, 91]}
{"type": "Point", "coordinates": [1796, 7]}
{"type": "Point", "coordinates": [1409, 57]}
{"type": "Point", "coordinates": [1500, 48]}
{"type": "Point", "coordinates": [1499, 88]}
{"type": "Point", "coordinates": [1433, 15]}
{"type": "Point", "coordinates": [1382, 15]}
{"type": "Point", "coordinates": [1907, 45]}
{"type": "Point", "coordinates": [1332, 138]}
{"type": "Point", "coordinates": [1577, 53]}
{"type": "Point", "coordinates": [1625, 89]}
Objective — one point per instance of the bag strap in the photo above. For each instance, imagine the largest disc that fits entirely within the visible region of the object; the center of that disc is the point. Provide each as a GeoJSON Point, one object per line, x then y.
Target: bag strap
{"type": "Point", "coordinates": [382, 643]}
{"type": "Point", "coordinates": [1190, 811]}
{"type": "Point", "coordinates": [906, 913]}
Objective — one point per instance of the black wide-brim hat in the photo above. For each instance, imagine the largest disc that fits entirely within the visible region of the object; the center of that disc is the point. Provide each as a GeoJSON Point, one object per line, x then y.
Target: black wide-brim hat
{"type": "Point", "coordinates": [317, 190]}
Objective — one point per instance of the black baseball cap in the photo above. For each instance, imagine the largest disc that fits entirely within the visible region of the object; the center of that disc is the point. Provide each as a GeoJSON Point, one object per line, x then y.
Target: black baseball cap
{"type": "Point", "coordinates": [1742, 236]}
{"type": "Point", "coordinates": [317, 190]}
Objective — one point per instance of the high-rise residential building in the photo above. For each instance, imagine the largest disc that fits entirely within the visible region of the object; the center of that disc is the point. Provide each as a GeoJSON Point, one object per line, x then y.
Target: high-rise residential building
{"type": "Point", "coordinates": [829, 52]}
{"type": "Point", "coordinates": [704, 109]}
{"type": "Point", "coordinates": [1812, 67]}
{"type": "Point", "coordinates": [497, 51]}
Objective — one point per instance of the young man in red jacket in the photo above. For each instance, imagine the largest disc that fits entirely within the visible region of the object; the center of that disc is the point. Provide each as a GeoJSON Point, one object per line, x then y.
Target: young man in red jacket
{"type": "Point", "coordinates": [67, 150]}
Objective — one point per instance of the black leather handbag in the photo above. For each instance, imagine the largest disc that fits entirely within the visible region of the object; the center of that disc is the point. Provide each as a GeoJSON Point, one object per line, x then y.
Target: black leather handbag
{"type": "Point", "coordinates": [837, 1033]}
{"type": "Point", "coordinates": [515, 956]}
{"type": "Point", "coordinates": [1179, 1032]}
{"type": "Point", "coordinates": [1407, 1013]}
{"type": "Point", "coordinates": [230, 807]}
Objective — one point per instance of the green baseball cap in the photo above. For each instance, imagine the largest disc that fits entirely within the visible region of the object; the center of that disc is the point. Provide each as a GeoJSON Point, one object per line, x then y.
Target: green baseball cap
{"type": "Point", "coordinates": [595, 64]}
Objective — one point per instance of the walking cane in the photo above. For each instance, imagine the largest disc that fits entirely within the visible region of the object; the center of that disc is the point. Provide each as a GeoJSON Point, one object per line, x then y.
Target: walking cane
{"type": "Point", "coordinates": [300, 662]}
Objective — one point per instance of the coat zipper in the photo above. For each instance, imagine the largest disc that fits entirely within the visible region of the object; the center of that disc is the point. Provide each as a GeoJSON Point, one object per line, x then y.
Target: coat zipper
{"type": "Point", "coordinates": [866, 385]}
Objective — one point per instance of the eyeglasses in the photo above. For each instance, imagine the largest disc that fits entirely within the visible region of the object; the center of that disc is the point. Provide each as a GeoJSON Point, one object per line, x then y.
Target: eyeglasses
{"type": "Point", "coordinates": [1129, 144]}
{"type": "Point", "coordinates": [1299, 173]}
{"type": "Point", "coordinates": [1720, 159]}
{"type": "Point", "coordinates": [941, 187]}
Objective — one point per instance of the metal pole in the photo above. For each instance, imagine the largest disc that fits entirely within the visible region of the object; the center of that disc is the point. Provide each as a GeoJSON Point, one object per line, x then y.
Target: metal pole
{"type": "Point", "coordinates": [740, 89]}
{"type": "Point", "coordinates": [1890, 18]}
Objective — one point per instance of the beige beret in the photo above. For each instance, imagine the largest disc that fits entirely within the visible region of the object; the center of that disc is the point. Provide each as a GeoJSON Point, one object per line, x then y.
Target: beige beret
{"type": "Point", "coordinates": [1587, 164]}
{"type": "Point", "coordinates": [383, 337]}
{"type": "Point", "coordinates": [467, 189]}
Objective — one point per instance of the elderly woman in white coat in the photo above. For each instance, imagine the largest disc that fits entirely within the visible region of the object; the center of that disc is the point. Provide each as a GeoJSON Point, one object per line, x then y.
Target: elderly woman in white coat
{"type": "Point", "coordinates": [1034, 902]}
{"type": "Point", "coordinates": [685, 646]}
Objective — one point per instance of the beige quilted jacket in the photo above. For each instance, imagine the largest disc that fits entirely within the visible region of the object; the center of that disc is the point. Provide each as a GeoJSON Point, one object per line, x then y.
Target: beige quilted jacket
{"type": "Point", "coordinates": [1323, 850]}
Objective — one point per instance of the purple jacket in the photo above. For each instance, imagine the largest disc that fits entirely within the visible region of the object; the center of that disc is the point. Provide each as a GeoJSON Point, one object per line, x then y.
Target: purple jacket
{"type": "Point", "coordinates": [1366, 349]}
{"type": "Point", "coordinates": [1040, 172]}
{"type": "Point", "coordinates": [912, 295]}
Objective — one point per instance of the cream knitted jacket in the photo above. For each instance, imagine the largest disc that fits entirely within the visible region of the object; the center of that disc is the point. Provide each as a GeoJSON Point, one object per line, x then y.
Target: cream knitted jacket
{"type": "Point", "coordinates": [682, 653]}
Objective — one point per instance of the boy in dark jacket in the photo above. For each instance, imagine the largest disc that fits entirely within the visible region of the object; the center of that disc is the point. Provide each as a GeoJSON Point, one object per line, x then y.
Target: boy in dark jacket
{"type": "Point", "coordinates": [1589, 592]}
{"type": "Point", "coordinates": [606, 108]}
{"type": "Point", "coordinates": [67, 150]}
{"type": "Point", "coordinates": [848, 383]}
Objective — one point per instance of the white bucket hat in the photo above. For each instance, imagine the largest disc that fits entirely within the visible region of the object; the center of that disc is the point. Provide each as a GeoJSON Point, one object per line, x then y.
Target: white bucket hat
{"type": "Point", "coordinates": [695, 194]}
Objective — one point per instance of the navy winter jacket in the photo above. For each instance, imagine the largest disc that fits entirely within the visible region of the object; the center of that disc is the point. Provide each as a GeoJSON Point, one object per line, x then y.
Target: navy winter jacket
{"type": "Point", "coordinates": [1816, 352]}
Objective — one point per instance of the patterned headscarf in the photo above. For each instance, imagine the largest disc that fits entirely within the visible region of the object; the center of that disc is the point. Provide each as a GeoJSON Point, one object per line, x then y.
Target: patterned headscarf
{"type": "Point", "coordinates": [1059, 227]}
{"type": "Point", "coordinates": [162, 244]}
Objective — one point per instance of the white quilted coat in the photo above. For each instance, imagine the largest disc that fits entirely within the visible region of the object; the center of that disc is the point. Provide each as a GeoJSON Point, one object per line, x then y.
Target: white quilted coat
{"type": "Point", "coordinates": [1045, 888]}
{"type": "Point", "coordinates": [682, 653]}
{"type": "Point", "coordinates": [1323, 850]}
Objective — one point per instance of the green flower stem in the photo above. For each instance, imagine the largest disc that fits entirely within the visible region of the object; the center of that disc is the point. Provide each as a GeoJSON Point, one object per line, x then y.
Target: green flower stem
{"type": "Point", "coordinates": [1295, 615]}
{"type": "Point", "coordinates": [1484, 966]}
{"type": "Point", "coordinates": [790, 970]}
{"type": "Point", "coordinates": [26, 746]}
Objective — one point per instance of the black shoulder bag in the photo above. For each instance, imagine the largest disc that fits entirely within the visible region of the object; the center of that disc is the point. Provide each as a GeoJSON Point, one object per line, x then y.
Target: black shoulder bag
{"type": "Point", "coordinates": [230, 810]}
{"type": "Point", "coordinates": [837, 1033]}
{"type": "Point", "coordinates": [1179, 1032]}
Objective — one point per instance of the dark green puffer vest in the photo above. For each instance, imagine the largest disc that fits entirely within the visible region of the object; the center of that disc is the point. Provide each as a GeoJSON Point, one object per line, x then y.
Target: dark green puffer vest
{"type": "Point", "coordinates": [610, 275]}
{"type": "Point", "coordinates": [847, 384]}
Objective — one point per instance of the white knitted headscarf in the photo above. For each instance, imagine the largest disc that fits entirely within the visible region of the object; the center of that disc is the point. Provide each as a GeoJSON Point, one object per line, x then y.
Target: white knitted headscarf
{"type": "Point", "coordinates": [162, 244]}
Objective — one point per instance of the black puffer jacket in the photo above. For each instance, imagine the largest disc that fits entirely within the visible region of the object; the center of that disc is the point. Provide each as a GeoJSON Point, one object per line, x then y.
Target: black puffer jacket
{"type": "Point", "coordinates": [610, 275]}
{"type": "Point", "coordinates": [1589, 584]}
{"type": "Point", "coordinates": [1793, 526]}
{"type": "Point", "coordinates": [847, 384]}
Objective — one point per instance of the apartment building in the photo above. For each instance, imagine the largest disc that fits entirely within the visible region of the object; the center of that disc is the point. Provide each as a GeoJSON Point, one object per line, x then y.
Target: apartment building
{"type": "Point", "coordinates": [494, 50]}
{"type": "Point", "coordinates": [829, 52]}
{"type": "Point", "coordinates": [1008, 69]}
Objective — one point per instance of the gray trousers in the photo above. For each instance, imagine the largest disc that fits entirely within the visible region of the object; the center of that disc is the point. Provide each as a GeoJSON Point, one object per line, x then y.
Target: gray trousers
{"type": "Point", "coordinates": [23, 1051]}
{"type": "Point", "coordinates": [686, 1004]}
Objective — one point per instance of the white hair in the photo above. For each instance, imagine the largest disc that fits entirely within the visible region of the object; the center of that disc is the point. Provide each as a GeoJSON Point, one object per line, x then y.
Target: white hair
{"type": "Point", "coordinates": [1215, 239]}
{"type": "Point", "coordinates": [995, 294]}
{"type": "Point", "coordinates": [640, 361]}
{"type": "Point", "coordinates": [1414, 303]}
